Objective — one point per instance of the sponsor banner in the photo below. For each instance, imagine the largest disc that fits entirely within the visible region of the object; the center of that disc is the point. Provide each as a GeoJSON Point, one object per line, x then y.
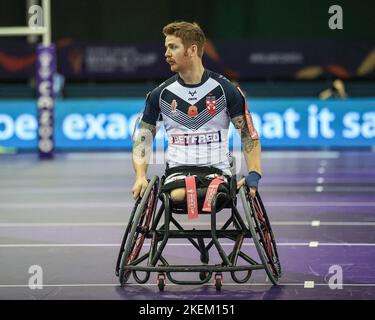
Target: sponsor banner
{"type": "Point", "coordinates": [45, 70]}
{"type": "Point", "coordinates": [240, 60]}
{"type": "Point", "coordinates": [19, 124]}
{"type": "Point", "coordinates": [96, 124]}
{"type": "Point", "coordinates": [108, 124]}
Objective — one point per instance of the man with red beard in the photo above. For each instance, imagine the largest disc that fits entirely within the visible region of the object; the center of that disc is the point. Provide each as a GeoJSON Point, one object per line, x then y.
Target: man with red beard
{"type": "Point", "coordinates": [196, 106]}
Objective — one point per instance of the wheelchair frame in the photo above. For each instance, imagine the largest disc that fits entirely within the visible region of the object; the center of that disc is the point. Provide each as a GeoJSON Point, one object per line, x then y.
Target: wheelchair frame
{"type": "Point", "coordinates": [139, 229]}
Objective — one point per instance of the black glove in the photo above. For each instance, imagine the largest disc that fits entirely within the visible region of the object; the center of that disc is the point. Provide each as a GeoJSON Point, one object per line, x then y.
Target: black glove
{"type": "Point", "coordinates": [252, 179]}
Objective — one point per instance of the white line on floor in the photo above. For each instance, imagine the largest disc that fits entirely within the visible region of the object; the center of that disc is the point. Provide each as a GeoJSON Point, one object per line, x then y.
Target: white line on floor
{"type": "Point", "coordinates": [309, 284]}
{"type": "Point", "coordinates": [321, 204]}
{"type": "Point", "coordinates": [265, 155]}
{"type": "Point", "coordinates": [32, 190]}
{"type": "Point", "coordinates": [80, 285]}
{"type": "Point", "coordinates": [313, 244]}
{"type": "Point", "coordinates": [41, 205]}
{"type": "Point", "coordinates": [5, 191]}
{"type": "Point", "coordinates": [78, 245]}
{"type": "Point", "coordinates": [314, 223]}
{"type": "Point", "coordinates": [301, 155]}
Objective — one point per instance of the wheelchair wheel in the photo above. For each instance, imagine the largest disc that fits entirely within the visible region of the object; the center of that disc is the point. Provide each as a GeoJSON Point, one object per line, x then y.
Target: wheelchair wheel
{"type": "Point", "coordinates": [269, 238]}
{"type": "Point", "coordinates": [262, 234]}
{"type": "Point", "coordinates": [125, 237]}
{"type": "Point", "coordinates": [137, 228]}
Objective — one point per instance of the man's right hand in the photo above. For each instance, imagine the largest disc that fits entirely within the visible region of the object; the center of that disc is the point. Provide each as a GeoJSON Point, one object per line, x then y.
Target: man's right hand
{"type": "Point", "coordinates": [139, 187]}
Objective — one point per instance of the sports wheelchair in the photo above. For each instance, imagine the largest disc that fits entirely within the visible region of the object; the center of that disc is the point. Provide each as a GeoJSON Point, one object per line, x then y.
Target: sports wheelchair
{"type": "Point", "coordinates": [146, 222]}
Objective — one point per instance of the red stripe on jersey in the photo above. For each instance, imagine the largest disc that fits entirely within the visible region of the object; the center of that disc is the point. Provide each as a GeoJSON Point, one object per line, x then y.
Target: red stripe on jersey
{"type": "Point", "coordinates": [249, 119]}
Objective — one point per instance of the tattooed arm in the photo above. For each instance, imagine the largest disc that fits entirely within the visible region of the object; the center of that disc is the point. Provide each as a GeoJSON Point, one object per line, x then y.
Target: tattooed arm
{"type": "Point", "coordinates": [142, 148]}
{"type": "Point", "coordinates": [251, 148]}
{"type": "Point", "coordinates": [252, 153]}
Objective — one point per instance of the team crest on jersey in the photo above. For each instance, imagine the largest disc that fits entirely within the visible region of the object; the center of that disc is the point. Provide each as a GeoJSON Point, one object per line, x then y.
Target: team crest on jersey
{"type": "Point", "coordinates": [192, 111]}
{"type": "Point", "coordinates": [174, 106]}
{"type": "Point", "coordinates": [211, 104]}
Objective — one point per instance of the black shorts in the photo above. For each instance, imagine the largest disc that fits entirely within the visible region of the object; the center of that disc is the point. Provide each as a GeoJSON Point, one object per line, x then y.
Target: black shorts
{"type": "Point", "coordinates": [175, 178]}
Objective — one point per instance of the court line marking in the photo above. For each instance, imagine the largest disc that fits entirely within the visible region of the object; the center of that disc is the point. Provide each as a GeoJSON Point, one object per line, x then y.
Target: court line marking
{"type": "Point", "coordinates": [8, 191]}
{"type": "Point", "coordinates": [78, 245]}
{"type": "Point", "coordinates": [265, 155]}
{"type": "Point", "coordinates": [314, 223]}
{"type": "Point", "coordinates": [309, 284]}
{"type": "Point", "coordinates": [124, 190]}
{"type": "Point", "coordinates": [321, 204]}
{"type": "Point", "coordinates": [80, 285]}
{"type": "Point", "coordinates": [41, 205]}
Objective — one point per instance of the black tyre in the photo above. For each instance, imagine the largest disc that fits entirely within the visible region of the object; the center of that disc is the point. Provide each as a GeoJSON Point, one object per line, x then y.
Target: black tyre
{"type": "Point", "coordinates": [268, 237]}
{"type": "Point", "coordinates": [137, 228]}
{"type": "Point", "coordinates": [218, 283]}
{"type": "Point", "coordinates": [262, 234]}
{"type": "Point", "coordinates": [128, 227]}
{"type": "Point", "coordinates": [161, 281]}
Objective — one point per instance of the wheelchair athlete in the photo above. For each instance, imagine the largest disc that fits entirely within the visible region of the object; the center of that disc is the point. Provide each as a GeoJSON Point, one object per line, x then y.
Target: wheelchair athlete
{"type": "Point", "coordinates": [196, 106]}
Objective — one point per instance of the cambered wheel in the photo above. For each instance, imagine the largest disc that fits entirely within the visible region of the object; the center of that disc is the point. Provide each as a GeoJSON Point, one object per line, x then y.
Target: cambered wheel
{"type": "Point", "coordinates": [137, 228]}
{"type": "Point", "coordinates": [262, 234]}
{"type": "Point", "coordinates": [266, 235]}
{"type": "Point", "coordinates": [126, 275]}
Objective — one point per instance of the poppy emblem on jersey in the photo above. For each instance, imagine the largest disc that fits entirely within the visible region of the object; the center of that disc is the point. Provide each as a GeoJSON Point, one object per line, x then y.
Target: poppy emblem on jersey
{"type": "Point", "coordinates": [174, 105]}
{"type": "Point", "coordinates": [193, 111]}
{"type": "Point", "coordinates": [211, 104]}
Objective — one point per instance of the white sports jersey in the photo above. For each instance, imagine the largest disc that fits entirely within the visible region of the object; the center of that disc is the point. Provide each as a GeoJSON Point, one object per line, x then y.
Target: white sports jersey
{"type": "Point", "coordinates": [196, 118]}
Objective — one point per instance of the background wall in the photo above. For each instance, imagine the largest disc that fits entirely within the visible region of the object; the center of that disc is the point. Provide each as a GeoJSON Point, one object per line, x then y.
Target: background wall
{"type": "Point", "coordinates": [142, 20]}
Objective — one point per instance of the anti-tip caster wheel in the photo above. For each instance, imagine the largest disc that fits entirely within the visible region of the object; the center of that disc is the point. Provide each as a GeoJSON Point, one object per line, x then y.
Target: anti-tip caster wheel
{"type": "Point", "coordinates": [218, 281]}
{"type": "Point", "coordinates": [161, 281]}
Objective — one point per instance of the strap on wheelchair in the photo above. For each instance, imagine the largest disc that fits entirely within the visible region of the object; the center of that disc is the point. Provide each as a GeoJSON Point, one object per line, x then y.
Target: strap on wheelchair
{"type": "Point", "coordinates": [193, 176]}
{"type": "Point", "coordinates": [191, 197]}
{"type": "Point", "coordinates": [211, 192]}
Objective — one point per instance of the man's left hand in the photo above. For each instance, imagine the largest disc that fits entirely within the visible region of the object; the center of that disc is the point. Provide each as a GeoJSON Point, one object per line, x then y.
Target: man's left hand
{"type": "Point", "coordinates": [252, 191]}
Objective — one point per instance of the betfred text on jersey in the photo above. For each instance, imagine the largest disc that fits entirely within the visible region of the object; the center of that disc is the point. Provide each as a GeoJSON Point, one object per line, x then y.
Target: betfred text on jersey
{"type": "Point", "coordinates": [188, 139]}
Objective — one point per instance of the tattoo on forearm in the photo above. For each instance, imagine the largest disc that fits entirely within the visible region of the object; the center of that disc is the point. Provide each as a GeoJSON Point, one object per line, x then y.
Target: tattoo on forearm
{"type": "Point", "coordinates": [150, 127]}
{"type": "Point", "coordinates": [247, 142]}
{"type": "Point", "coordinates": [143, 141]}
